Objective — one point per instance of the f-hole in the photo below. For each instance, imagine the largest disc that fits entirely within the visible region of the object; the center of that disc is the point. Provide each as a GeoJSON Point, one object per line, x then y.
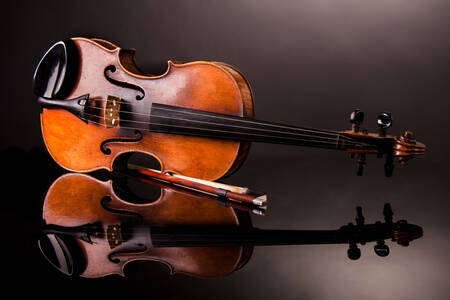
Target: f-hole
{"type": "Point", "coordinates": [112, 69]}
{"type": "Point", "coordinates": [105, 204]}
{"type": "Point", "coordinates": [137, 137]}
{"type": "Point", "coordinates": [114, 256]}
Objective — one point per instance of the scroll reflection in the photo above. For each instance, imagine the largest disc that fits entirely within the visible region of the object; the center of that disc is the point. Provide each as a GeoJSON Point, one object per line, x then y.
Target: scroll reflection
{"type": "Point", "coordinates": [91, 231]}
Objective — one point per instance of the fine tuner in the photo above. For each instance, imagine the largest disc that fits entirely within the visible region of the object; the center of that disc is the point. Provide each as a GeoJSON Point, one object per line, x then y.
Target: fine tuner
{"type": "Point", "coordinates": [404, 144]}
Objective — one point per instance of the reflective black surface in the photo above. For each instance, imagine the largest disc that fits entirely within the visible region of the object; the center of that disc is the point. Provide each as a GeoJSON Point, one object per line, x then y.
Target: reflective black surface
{"type": "Point", "coordinates": [309, 63]}
{"type": "Point", "coordinates": [311, 208]}
{"type": "Point", "coordinates": [87, 230]}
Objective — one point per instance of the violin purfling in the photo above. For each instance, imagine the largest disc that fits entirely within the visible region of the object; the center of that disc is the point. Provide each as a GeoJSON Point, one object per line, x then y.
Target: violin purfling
{"type": "Point", "coordinates": [197, 119]}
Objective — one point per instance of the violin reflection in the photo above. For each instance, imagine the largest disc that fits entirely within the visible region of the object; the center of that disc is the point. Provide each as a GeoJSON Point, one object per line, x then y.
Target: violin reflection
{"type": "Point", "coordinates": [91, 231]}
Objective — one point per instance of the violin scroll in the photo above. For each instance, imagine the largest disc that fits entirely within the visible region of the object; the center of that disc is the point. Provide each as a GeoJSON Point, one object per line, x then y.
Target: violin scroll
{"type": "Point", "coordinates": [406, 147]}
{"type": "Point", "coordinates": [404, 233]}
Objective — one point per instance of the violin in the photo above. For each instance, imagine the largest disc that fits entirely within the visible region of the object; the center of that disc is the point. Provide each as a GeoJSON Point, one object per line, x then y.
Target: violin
{"type": "Point", "coordinates": [197, 119]}
{"type": "Point", "coordinates": [101, 234]}
{"type": "Point", "coordinates": [88, 208]}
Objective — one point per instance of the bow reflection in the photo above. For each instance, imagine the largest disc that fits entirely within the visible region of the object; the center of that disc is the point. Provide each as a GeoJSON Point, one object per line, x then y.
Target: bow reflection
{"type": "Point", "coordinates": [93, 228]}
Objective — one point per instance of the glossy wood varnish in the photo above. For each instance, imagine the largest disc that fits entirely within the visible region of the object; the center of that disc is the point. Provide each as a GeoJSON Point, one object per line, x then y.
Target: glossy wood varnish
{"type": "Point", "coordinates": [209, 86]}
{"type": "Point", "coordinates": [75, 199]}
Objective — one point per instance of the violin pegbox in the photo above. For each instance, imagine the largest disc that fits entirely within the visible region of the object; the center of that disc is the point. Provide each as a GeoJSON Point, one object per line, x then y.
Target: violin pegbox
{"type": "Point", "coordinates": [403, 147]}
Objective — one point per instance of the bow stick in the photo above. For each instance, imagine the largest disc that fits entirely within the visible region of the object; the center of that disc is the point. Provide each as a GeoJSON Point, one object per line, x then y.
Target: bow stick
{"type": "Point", "coordinates": [233, 193]}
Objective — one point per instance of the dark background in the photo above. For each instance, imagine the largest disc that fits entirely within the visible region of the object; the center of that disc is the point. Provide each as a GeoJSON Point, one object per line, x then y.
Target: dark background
{"type": "Point", "coordinates": [309, 63]}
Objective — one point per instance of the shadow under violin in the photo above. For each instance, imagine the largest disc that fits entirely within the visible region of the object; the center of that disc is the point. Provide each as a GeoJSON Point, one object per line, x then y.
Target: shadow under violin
{"type": "Point", "coordinates": [93, 228]}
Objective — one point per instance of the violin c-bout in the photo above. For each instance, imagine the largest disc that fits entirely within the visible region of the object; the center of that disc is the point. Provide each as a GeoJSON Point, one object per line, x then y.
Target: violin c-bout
{"type": "Point", "coordinates": [197, 119]}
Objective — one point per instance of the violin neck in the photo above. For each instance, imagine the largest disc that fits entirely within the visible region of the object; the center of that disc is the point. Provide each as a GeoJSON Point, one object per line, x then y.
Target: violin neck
{"type": "Point", "coordinates": [216, 236]}
{"type": "Point", "coordinates": [177, 120]}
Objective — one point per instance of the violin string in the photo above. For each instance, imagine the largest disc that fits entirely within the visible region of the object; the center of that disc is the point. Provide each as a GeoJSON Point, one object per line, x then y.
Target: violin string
{"type": "Point", "coordinates": [214, 136]}
{"type": "Point", "coordinates": [205, 122]}
{"type": "Point", "coordinates": [320, 131]}
{"type": "Point", "coordinates": [256, 122]}
{"type": "Point", "coordinates": [333, 135]}
{"type": "Point", "coordinates": [254, 134]}
{"type": "Point", "coordinates": [187, 127]}
{"type": "Point", "coordinates": [351, 143]}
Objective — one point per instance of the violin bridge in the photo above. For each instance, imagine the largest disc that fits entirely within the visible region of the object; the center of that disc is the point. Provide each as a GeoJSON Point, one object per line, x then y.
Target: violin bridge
{"type": "Point", "coordinates": [112, 108]}
{"type": "Point", "coordinates": [114, 236]}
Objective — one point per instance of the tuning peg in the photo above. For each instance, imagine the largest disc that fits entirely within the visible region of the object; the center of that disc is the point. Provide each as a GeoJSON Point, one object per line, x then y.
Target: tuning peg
{"type": "Point", "coordinates": [359, 216]}
{"type": "Point", "coordinates": [361, 162]}
{"type": "Point", "coordinates": [360, 220]}
{"type": "Point", "coordinates": [381, 249]}
{"type": "Point", "coordinates": [384, 121]}
{"type": "Point", "coordinates": [353, 252]}
{"type": "Point", "coordinates": [387, 213]}
{"type": "Point", "coordinates": [389, 166]}
{"type": "Point", "coordinates": [356, 118]}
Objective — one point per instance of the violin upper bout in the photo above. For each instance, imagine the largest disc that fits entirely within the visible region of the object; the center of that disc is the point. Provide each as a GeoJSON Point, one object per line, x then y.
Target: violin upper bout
{"type": "Point", "coordinates": [107, 44]}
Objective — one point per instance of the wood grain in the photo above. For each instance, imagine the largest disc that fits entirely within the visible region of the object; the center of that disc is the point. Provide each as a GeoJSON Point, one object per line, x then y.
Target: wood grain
{"type": "Point", "coordinates": [202, 85]}
{"type": "Point", "coordinates": [75, 199]}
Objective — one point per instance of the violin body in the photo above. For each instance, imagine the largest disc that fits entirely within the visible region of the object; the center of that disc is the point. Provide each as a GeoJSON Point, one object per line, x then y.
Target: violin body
{"type": "Point", "coordinates": [206, 86]}
{"type": "Point", "coordinates": [78, 199]}
{"type": "Point", "coordinates": [197, 119]}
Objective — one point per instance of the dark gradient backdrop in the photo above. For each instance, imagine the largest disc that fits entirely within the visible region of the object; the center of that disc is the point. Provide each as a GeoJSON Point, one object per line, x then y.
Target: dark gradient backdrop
{"type": "Point", "coordinates": [309, 63]}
